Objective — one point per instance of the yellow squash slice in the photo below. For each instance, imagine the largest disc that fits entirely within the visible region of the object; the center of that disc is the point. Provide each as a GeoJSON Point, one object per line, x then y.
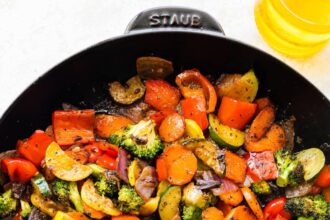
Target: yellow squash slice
{"type": "Point", "coordinates": [63, 166]}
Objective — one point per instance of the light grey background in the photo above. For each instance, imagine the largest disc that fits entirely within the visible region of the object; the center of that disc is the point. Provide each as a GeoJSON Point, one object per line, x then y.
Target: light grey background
{"type": "Point", "coordinates": [36, 35]}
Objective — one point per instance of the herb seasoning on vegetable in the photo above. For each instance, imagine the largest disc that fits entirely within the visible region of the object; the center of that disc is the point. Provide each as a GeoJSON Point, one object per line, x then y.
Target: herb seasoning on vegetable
{"type": "Point", "coordinates": [193, 149]}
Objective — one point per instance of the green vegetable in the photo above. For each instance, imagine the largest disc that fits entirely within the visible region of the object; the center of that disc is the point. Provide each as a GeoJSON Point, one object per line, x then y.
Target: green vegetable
{"type": "Point", "coordinates": [168, 208]}
{"type": "Point", "coordinates": [192, 196]}
{"type": "Point", "coordinates": [191, 213]}
{"type": "Point", "coordinates": [7, 203]}
{"type": "Point", "coordinates": [305, 218]}
{"type": "Point", "coordinates": [224, 135]}
{"type": "Point", "coordinates": [74, 197]}
{"type": "Point", "coordinates": [132, 91]}
{"type": "Point", "coordinates": [40, 184]}
{"type": "Point", "coordinates": [128, 199]}
{"type": "Point", "coordinates": [106, 182]}
{"type": "Point", "coordinates": [60, 190]}
{"type": "Point", "coordinates": [26, 208]}
{"type": "Point", "coordinates": [312, 160]}
{"type": "Point", "coordinates": [139, 139]}
{"type": "Point", "coordinates": [309, 206]}
{"type": "Point", "coordinates": [291, 171]}
{"type": "Point", "coordinates": [261, 188]}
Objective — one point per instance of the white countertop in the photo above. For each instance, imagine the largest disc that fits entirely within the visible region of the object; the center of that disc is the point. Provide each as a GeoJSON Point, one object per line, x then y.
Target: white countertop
{"type": "Point", "coordinates": [36, 35]}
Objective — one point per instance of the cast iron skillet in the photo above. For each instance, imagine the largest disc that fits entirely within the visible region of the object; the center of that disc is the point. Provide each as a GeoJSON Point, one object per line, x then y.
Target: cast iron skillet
{"type": "Point", "coordinates": [191, 39]}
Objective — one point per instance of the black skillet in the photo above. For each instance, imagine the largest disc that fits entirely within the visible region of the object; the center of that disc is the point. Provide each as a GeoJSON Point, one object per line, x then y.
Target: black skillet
{"type": "Point", "coordinates": [191, 39]}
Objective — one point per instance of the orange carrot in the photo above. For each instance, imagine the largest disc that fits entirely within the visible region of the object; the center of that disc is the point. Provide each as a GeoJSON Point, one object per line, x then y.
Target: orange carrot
{"type": "Point", "coordinates": [251, 199]}
{"type": "Point", "coordinates": [235, 167]}
{"type": "Point", "coordinates": [93, 213]}
{"type": "Point", "coordinates": [125, 217]}
{"type": "Point", "coordinates": [181, 164]}
{"type": "Point", "coordinates": [77, 215]}
{"type": "Point", "coordinates": [225, 208]}
{"type": "Point", "coordinates": [262, 103]}
{"type": "Point", "coordinates": [274, 140]}
{"type": "Point", "coordinates": [326, 193]}
{"type": "Point", "coordinates": [212, 213]}
{"type": "Point", "coordinates": [172, 127]}
{"type": "Point", "coordinates": [261, 123]}
{"type": "Point", "coordinates": [240, 212]}
{"type": "Point", "coordinates": [106, 125]}
{"type": "Point", "coordinates": [161, 169]}
{"type": "Point", "coordinates": [233, 198]}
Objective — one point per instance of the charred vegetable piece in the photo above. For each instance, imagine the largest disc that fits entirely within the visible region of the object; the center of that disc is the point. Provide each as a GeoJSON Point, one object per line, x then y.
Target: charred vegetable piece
{"type": "Point", "coordinates": [147, 183]}
{"type": "Point", "coordinates": [312, 160]}
{"type": "Point", "coordinates": [19, 169]}
{"type": "Point", "coordinates": [90, 196]}
{"type": "Point", "coordinates": [235, 167]}
{"type": "Point", "coordinates": [212, 156]}
{"type": "Point", "coordinates": [240, 212]}
{"type": "Point", "coordinates": [261, 188]}
{"type": "Point", "coordinates": [132, 91]}
{"type": "Point", "coordinates": [40, 184]}
{"type": "Point", "coordinates": [153, 67]}
{"type": "Point", "coordinates": [46, 205]}
{"type": "Point", "coordinates": [224, 135]}
{"type": "Point", "coordinates": [63, 166]}
{"type": "Point", "coordinates": [236, 86]}
{"type": "Point", "coordinates": [106, 125]}
{"type": "Point", "coordinates": [251, 199]}
{"type": "Point", "coordinates": [169, 204]}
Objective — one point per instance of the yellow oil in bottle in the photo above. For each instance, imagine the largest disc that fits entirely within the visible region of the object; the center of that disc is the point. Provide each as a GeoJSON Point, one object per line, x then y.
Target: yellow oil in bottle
{"type": "Point", "coordinates": [296, 28]}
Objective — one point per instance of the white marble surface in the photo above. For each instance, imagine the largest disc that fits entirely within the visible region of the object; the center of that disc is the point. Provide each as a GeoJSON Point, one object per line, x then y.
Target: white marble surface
{"type": "Point", "coordinates": [36, 35]}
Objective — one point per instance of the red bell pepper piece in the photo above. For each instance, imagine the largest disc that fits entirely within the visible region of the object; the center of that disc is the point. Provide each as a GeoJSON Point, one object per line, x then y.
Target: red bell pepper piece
{"type": "Point", "coordinates": [161, 168]}
{"type": "Point", "coordinates": [158, 117]}
{"type": "Point", "coordinates": [235, 113]}
{"type": "Point", "coordinates": [275, 210]}
{"type": "Point", "coordinates": [34, 148]}
{"type": "Point", "coordinates": [107, 162]}
{"type": "Point", "coordinates": [161, 95]}
{"type": "Point", "coordinates": [261, 166]}
{"type": "Point", "coordinates": [193, 84]}
{"type": "Point", "coordinates": [323, 179]}
{"type": "Point", "coordinates": [93, 152]}
{"type": "Point", "coordinates": [18, 169]}
{"type": "Point", "coordinates": [73, 126]}
{"type": "Point", "coordinates": [193, 108]}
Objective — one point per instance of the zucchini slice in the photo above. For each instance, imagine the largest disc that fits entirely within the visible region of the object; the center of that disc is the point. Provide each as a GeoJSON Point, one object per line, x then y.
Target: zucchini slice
{"type": "Point", "coordinates": [313, 161]}
{"type": "Point", "coordinates": [224, 135]}
{"type": "Point", "coordinates": [169, 204]}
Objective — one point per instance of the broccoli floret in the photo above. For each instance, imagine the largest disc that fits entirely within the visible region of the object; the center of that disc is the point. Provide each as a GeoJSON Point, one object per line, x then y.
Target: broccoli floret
{"type": "Point", "coordinates": [128, 199]}
{"type": "Point", "coordinates": [139, 139]}
{"type": "Point", "coordinates": [191, 213]}
{"type": "Point", "coordinates": [192, 196]}
{"type": "Point", "coordinates": [106, 182]}
{"type": "Point", "coordinates": [261, 188]}
{"type": "Point", "coordinates": [7, 203]}
{"type": "Point", "coordinates": [309, 206]}
{"type": "Point", "coordinates": [291, 171]}
{"type": "Point", "coordinates": [60, 190]}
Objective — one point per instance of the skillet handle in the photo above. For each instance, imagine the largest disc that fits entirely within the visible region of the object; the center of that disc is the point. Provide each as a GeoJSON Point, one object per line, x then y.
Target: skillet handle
{"type": "Point", "coordinates": [174, 18]}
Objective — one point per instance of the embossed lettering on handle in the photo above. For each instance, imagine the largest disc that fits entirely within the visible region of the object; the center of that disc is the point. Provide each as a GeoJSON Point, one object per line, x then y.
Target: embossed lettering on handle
{"type": "Point", "coordinates": [175, 20]}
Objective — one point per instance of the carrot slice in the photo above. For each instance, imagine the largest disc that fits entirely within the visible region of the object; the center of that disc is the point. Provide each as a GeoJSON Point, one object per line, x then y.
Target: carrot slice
{"type": "Point", "coordinates": [93, 213]}
{"type": "Point", "coordinates": [212, 213]}
{"type": "Point", "coordinates": [251, 199]}
{"type": "Point", "coordinates": [77, 215]}
{"type": "Point", "coordinates": [181, 164]}
{"type": "Point", "coordinates": [172, 127]}
{"type": "Point", "coordinates": [240, 212]}
{"type": "Point", "coordinates": [235, 167]}
{"type": "Point", "coordinates": [261, 123]}
{"type": "Point", "coordinates": [274, 140]}
{"type": "Point", "coordinates": [225, 208]}
{"type": "Point", "coordinates": [106, 125]}
{"type": "Point", "coordinates": [233, 198]}
{"type": "Point", "coordinates": [125, 217]}
{"type": "Point", "coordinates": [262, 103]}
